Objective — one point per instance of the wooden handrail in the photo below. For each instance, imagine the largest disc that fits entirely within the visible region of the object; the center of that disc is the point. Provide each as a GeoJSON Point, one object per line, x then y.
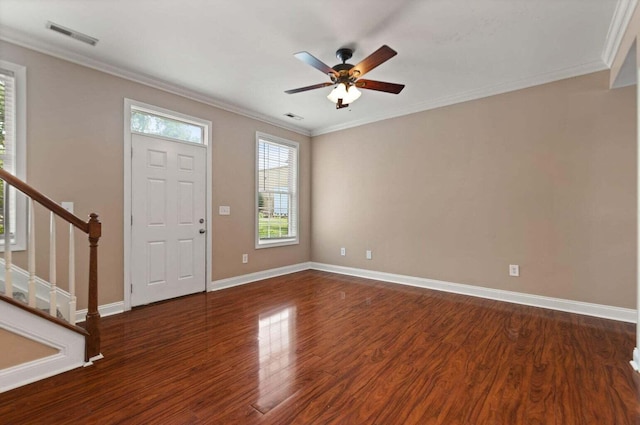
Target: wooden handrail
{"type": "Point", "coordinates": [93, 228]}
{"type": "Point", "coordinates": [44, 200]}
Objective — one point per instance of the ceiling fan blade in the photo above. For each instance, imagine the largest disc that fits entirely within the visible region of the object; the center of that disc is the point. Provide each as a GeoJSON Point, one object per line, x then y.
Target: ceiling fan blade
{"type": "Point", "coordinates": [309, 59]}
{"type": "Point", "coordinates": [376, 58]}
{"type": "Point", "coordinates": [380, 86]}
{"type": "Point", "coordinates": [315, 86]}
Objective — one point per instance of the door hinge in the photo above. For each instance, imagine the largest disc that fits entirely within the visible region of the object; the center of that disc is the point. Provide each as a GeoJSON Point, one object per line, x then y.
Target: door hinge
{"type": "Point", "coordinates": [132, 220]}
{"type": "Point", "coordinates": [131, 151]}
{"type": "Point", "coordinates": [131, 288]}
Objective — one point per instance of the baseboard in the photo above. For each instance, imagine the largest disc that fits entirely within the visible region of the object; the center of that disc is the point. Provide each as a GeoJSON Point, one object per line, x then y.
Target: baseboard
{"type": "Point", "coordinates": [230, 282]}
{"type": "Point", "coordinates": [104, 310]}
{"type": "Point", "coordinates": [34, 371]}
{"type": "Point", "coordinates": [635, 362]}
{"type": "Point", "coordinates": [578, 307]}
{"type": "Point", "coordinates": [70, 346]}
{"type": "Point", "coordinates": [570, 306]}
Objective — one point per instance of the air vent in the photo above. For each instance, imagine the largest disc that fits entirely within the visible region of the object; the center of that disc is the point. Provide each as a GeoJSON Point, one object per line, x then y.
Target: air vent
{"type": "Point", "coordinates": [72, 33]}
{"type": "Point", "coordinates": [293, 116]}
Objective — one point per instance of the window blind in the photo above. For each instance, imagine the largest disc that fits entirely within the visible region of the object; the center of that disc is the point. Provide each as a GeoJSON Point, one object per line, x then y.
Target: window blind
{"type": "Point", "coordinates": [277, 190]}
{"type": "Point", "coordinates": [7, 122]}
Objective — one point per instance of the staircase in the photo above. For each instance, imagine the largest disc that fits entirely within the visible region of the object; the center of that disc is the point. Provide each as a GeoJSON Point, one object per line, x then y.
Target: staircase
{"type": "Point", "coordinates": [20, 292]}
{"type": "Point", "coordinates": [38, 331]}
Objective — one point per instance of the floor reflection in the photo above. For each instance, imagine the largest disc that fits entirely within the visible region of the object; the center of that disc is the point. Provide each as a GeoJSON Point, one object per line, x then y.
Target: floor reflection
{"type": "Point", "coordinates": [276, 335]}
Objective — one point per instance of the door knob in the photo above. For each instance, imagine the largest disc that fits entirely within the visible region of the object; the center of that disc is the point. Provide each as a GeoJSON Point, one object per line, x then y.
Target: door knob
{"type": "Point", "coordinates": [202, 231]}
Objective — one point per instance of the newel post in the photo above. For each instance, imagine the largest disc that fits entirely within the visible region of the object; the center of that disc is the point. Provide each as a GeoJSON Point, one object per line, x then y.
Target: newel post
{"type": "Point", "coordinates": [93, 316]}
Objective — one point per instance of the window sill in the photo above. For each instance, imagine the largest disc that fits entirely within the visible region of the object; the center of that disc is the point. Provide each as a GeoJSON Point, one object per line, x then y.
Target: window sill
{"type": "Point", "coordinates": [14, 248]}
{"type": "Point", "coordinates": [280, 242]}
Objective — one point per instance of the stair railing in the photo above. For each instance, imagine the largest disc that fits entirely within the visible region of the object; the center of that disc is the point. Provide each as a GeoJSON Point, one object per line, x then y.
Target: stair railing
{"type": "Point", "coordinates": [92, 227]}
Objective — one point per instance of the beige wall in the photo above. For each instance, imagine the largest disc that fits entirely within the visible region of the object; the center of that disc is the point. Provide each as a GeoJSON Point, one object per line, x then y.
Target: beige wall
{"type": "Point", "coordinates": [17, 349]}
{"type": "Point", "coordinates": [542, 177]}
{"type": "Point", "coordinates": [75, 153]}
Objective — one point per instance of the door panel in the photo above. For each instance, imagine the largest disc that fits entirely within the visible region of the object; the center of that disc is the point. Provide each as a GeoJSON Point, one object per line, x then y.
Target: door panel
{"type": "Point", "coordinates": [168, 202]}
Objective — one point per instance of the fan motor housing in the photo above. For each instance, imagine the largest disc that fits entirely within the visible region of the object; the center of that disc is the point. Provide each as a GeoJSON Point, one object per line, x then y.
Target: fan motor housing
{"type": "Point", "coordinates": [344, 54]}
{"type": "Point", "coordinates": [343, 67]}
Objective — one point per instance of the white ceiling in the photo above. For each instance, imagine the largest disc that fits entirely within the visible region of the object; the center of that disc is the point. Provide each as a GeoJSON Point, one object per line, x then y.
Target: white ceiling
{"type": "Point", "coordinates": [239, 54]}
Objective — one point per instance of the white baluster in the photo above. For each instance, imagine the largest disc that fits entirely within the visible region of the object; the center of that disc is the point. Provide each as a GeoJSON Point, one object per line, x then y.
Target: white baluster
{"type": "Point", "coordinates": [8, 278]}
{"type": "Point", "coordinates": [72, 277]}
{"type": "Point", "coordinates": [32, 255]}
{"type": "Point", "coordinates": [53, 302]}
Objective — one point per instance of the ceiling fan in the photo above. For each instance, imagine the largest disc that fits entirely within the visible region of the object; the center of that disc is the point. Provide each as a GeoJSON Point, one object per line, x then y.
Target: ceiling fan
{"type": "Point", "coordinates": [346, 77]}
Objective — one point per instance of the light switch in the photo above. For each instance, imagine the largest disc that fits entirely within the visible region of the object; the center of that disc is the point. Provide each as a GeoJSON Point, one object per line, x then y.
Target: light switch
{"type": "Point", "coordinates": [224, 210]}
{"type": "Point", "coordinates": [67, 206]}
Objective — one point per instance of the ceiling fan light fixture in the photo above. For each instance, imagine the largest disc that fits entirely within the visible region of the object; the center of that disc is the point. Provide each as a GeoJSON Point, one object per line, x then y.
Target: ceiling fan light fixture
{"type": "Point", "coordinates": [347, 95]}
{"type": "Point", "coordinates": [352, 94]}
{"type": "Point", "coordinates": [339, 92]}
{"type": "Point", "coordinates": [344, 76]}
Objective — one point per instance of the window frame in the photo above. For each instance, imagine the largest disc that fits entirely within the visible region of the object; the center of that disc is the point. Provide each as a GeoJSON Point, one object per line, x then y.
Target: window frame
{"type": "Point", "coordinates": [20, 153]}
{"type": "Point", "coordinates": [295, 196]}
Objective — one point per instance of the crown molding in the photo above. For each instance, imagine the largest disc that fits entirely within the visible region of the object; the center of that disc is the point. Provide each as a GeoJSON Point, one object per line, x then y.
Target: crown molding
{"type": "Point", "coordinates": [621, 18]}
{"type": "Point", "coordinates": [20, 39]}
{"type": "Point", "coordinates": [536, 80]}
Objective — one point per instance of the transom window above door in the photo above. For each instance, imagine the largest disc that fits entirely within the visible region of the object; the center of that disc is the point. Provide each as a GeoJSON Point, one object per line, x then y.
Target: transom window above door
{"type": "Point", "coordinates": [146, 122]}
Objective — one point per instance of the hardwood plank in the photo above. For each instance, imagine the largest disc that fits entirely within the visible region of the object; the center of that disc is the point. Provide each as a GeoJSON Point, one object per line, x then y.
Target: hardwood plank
{"type": "Point", "coordinates": [319, 348]}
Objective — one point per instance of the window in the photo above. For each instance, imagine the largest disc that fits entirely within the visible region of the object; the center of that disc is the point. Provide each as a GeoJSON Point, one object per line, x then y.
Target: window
{"type": "Point", "coordinates": [277, 191]}
{"type": "Point", "coordinates": [143, 121]}
{"type": "Point", "coordinates": [13, 148]}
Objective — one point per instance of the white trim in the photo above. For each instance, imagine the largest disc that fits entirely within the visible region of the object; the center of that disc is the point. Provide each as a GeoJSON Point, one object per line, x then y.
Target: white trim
{"type": "Point", "coordinates": [627, 72]}
{"type": "Point", "coordinates": [104, 310]}
{"type": "Point", "coordinates": [127, 211]}
{"type": "Point", "coordinates": [281, 242]}
{"type": "Point", "coordinates": [635, 363]}
{"type": "Point", "coordinates": [535, 80]}
{"type": "Point", "coordinates": [43, 289]}
{"type": "Point", "coordinates": [570, 306]}
{"type": "Point", "coordinates": [71, 346]}
{"type": "Point", "coordinates": [23, 40]}
{"type": "Point", "coordinates": [20, 156]}
{"type": "Point", "coordinates": [208, 142]}
{"type": "Point", "coordinates": [27, 373]}
{"type": "Point", "coordinates": [621, 18]}
{"type": "Point", "coordinates": [589, 309]}
{"type": "Point", "coordinates": [20, 39]}
{"type": "Point", "coordinates": [230, 282]}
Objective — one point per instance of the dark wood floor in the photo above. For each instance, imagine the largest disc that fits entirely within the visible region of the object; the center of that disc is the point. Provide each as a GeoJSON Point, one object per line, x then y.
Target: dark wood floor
{"type": "Point", "coordinates": [319, 348]}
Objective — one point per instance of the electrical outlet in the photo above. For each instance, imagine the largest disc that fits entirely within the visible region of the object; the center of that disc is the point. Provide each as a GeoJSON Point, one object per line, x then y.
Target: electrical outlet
{"type": "Point", "coordinates": [514, 270]}
{"type": "Point", "coordinates": [343, 251]}
{"type": "Point", "coordinates": [245, 258]}
{"type": "Point", "coordinates": [368, 254]}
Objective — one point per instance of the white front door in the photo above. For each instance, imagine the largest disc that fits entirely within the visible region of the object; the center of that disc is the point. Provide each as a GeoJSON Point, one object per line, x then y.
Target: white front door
{"type": "Point", "coordinates": [168, 239]}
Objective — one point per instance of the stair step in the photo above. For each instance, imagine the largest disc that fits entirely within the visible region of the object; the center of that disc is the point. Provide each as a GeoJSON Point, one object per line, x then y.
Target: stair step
{"type": "Point", "coordinates": [22, 297]}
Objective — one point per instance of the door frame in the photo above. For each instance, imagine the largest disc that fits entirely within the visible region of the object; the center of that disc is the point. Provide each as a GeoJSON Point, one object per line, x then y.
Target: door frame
{"type": "Point", "coordinates": [127, 152]}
